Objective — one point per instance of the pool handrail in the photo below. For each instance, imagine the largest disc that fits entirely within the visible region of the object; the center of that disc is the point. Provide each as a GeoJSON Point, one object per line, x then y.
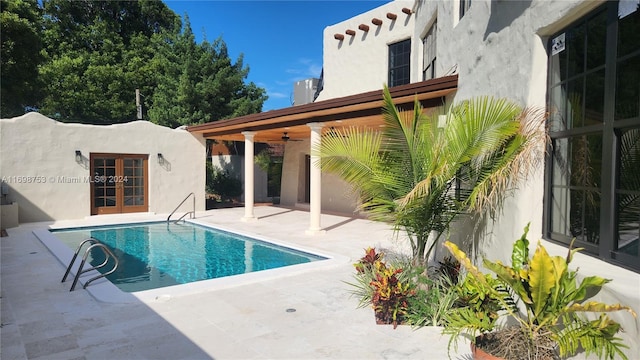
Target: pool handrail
{"type": "Point", "coordinates": [94, 243]}
{"type": "Point", "coordinates": [192, 213]}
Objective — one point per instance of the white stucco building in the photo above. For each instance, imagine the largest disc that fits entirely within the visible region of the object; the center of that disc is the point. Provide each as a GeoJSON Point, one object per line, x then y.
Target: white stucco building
{"type": "Point", "coordinates": [579, 59]}
{"type": "Point", "coordinates": [61, 171]}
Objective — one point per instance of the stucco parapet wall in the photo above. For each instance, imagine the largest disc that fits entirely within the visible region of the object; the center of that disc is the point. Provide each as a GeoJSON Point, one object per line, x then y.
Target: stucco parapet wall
{"type": "Point", "coordinates": [359, 62]}
{"type": "Point", "coordinates": [379, 13]}
{"type": "Point", "coordinates": [47, 164]}
{"type": "Point", "coordinates": [34, 116]}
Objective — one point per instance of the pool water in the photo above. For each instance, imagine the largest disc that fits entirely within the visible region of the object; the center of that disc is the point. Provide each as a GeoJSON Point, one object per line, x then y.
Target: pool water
{"type": "Point", "coordinates": [155, 255]}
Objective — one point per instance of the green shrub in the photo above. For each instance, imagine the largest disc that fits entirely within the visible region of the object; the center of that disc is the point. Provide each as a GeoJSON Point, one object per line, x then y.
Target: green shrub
{"type": "Point", "coordinates": [431, 302]}
{"type": "Point", "coordinates": [221, 183]}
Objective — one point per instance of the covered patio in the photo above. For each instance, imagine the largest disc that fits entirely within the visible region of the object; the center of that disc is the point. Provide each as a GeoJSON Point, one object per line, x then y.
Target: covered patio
{"type": "Point", "coordinates": [312, 121]}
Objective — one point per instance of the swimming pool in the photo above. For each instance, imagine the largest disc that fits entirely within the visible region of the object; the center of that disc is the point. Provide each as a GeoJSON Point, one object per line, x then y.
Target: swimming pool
{"type": "Point", "coordinates": [157, 255]}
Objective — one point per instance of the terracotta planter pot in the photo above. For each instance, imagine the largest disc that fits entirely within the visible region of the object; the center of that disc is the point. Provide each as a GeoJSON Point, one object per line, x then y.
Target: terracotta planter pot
{"type": "Point", "coordinates": [381, 320]}
{"type": "Point", "coordinates": [479, 354]}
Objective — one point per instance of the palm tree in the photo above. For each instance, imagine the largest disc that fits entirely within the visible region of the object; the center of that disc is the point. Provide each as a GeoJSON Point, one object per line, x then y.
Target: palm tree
{"type": "Point", "coordinates": [407, 172]}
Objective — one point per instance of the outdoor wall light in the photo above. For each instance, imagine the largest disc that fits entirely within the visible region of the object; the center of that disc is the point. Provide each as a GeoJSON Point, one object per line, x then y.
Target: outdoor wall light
{"type": "Point", "coordinates": [160, 159]}
{"type": "Point", "coordinates": [78, 156]}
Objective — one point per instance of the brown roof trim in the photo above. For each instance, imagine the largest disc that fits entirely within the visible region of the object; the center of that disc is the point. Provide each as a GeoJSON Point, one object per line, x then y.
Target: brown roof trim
{"type": "Point", "coordinates": [315, 111]}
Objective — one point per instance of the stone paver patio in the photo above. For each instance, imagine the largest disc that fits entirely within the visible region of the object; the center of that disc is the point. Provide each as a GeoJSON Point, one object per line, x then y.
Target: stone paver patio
{"type": "Point", "coordinates": [41, 319]}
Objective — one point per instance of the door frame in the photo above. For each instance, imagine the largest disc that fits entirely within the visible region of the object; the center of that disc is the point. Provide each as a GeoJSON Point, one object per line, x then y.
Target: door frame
{"type": "Point", "coordinates": [120, 181]}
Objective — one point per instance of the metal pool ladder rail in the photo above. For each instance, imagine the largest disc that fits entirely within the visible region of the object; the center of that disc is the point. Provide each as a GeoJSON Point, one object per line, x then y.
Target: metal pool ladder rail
{"type": "Point", "coordinates": [192, 213]}
{"type": "Point", "coordinates": [94, 244]}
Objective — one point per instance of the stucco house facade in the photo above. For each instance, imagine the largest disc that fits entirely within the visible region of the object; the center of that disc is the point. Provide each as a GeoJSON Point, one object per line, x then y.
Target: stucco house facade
{"type": "Point", "coordinates": [578, 59]}
{"type": "Point", "coordinates": [60, 171]}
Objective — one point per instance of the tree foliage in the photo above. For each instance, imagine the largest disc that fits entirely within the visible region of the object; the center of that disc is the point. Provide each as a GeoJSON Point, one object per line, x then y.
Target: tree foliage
{"type": "Point", "coordinates": [95, 54]}
{"type": "Point", "coordinates": [409, 173]}
{"type": "Point", "coordinates": [20, 35]}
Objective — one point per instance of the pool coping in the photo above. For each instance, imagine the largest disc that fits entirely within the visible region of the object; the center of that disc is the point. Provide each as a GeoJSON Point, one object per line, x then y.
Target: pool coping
{"type": "Point", "coordinates": [104, 291]}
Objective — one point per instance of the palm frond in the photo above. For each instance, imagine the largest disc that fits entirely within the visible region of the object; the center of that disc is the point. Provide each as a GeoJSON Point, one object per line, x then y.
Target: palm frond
{"type": "Point", "coordinates": [406, 171]}
{"type": "Point", "coordinates": [595, 336]}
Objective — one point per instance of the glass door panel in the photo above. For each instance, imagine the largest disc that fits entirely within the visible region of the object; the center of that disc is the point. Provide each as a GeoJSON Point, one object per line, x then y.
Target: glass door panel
{"type": "Point", "coordinates": [119, 183]}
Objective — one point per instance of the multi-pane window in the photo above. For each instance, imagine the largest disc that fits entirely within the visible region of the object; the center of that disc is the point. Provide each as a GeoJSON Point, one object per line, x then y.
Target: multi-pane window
{"type": "Point", "coordinates": [429, 54]}
{"type": "Point", "coordinates": [593, 170]}
{"type": "Point", "coordinates": [399, 63]}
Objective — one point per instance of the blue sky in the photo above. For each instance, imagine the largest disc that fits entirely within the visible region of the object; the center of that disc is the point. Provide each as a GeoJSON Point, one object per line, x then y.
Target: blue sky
{"type": "Point", "coordinates": [281, 40]}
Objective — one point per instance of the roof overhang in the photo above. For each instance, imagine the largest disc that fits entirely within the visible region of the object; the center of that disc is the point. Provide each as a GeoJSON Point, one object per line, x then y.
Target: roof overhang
{"type": "Point", "coordinates": [360, 110]}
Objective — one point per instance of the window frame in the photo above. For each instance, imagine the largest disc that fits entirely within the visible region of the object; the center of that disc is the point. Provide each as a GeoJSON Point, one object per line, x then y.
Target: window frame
{"type": "Point", "coordinates": [606, 248]}
{"type": "Point", "coordinates": [404, 64]}
{"type": "Point", "coordinates": [429, 53]}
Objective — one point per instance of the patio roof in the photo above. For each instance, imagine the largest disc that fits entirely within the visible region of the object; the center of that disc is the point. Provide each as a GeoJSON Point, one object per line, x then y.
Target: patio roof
{"type": "Point", "coordinates": [362, 110]}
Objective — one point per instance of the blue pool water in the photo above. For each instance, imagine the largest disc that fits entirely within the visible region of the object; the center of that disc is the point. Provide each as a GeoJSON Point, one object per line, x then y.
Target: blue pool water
{"type": "Point", "coordinates": [155, 255]}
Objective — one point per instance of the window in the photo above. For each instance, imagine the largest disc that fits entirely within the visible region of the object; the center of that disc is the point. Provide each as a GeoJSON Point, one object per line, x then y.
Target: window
{"type": "Point", "coordinates": [399, 63]}
{"type": "Point", "coordinates": [464, 7]}
{"type": "Point", "coordinates": [592, 190]}
{"type": "Point", "coordinates": [429, 54]}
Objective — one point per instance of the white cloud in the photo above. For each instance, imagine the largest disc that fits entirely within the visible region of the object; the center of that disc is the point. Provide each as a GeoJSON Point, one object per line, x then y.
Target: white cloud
{"type": "Point", "coordinates": [278, 95]}
{"type": "Point", "coordinates": [304, 68]}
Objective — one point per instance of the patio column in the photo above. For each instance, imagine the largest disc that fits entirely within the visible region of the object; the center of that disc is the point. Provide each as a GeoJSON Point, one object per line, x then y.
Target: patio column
{"type": "Point", "coordinates": [315, 182]}
{"type": "Point", "coordinates": [248, 176]}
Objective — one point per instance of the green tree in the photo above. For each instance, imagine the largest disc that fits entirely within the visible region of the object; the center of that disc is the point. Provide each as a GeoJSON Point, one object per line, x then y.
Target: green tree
{"type": "Point", "coordinates": [93, 52]}
{"type": "Point", "coordinates": [407, 173]}
{"type": "Point", "coordinates": [199, 83]}
{"type": "Point", "coordinates": [20, 31]}
{"type": "Point", "coordinates": [97, 53]}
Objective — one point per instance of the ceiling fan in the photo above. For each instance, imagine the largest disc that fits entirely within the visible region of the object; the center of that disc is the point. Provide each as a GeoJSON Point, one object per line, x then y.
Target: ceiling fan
{"type": "Point", "coordinates": [285, 137]}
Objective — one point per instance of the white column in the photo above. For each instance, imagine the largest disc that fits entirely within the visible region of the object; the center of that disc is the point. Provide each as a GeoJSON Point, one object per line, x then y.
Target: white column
{"type": "Point", "coordinates": [248, 175]}
{"type": "Point", "coordinates": [315, 180]}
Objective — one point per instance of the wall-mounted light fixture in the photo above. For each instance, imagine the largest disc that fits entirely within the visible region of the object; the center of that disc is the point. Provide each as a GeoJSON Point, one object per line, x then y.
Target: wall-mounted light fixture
{"type": "Point", "coordinates": [78, 156]}
{"type": "Point", "coordinates": [160, 159]}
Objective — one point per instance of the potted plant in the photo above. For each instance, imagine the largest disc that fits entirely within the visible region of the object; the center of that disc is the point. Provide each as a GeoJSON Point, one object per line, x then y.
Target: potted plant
{"type": "Point", "coordinates": [383, 287]}
{"type": "Point", "coordinates": [543, 297]}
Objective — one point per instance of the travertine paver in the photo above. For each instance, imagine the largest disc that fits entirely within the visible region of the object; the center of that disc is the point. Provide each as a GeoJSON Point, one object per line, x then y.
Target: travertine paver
{"type": "Point", "coordinates": [41, 319]}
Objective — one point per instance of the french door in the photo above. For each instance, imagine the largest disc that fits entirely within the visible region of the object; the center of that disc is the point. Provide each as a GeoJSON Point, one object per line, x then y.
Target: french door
{"type": "Point", "coordinates": [119, 183]}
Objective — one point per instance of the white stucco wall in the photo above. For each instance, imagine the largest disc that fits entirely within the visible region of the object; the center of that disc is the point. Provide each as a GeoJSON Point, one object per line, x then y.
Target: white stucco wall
{"type": "Point", "coordinates": [336, 194]}
{"type": "Point", "coordinates": [499, 49]}
{"type": "Point", "coordinates": [360, 63]}
{"type": "Point", "coordinates": [33, 145]}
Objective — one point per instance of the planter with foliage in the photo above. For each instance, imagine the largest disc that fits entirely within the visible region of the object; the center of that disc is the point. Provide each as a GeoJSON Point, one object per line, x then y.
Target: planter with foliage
{"type": "Point", "coordinates": [383, 287]}
{"type": "Point", "coordinates": [544, 298]}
